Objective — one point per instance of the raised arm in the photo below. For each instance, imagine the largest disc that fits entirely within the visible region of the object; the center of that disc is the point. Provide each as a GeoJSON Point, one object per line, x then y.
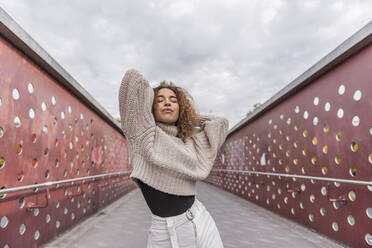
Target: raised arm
{"type": "Point", "coordinates": [135, 104]}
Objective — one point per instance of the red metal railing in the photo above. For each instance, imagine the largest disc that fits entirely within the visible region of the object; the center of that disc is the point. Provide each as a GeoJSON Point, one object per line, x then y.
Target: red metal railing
{"type": "Point", "coordinates": [51, 133]}
{"type": "Point", "coordinates": [320, 126]}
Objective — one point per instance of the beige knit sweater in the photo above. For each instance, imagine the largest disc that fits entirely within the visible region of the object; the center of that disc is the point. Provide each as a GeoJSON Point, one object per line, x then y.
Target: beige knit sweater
{"type": "Point", "coordinates": [159, 158]}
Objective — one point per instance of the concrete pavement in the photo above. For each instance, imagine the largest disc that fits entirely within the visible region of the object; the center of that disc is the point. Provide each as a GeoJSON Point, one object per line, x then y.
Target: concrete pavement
{"type": "Point", "coordinates": [125, 223]}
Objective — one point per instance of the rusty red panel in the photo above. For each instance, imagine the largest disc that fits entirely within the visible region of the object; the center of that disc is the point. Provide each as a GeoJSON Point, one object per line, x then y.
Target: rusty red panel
{"type": "Point", "coordinates": [47, 134]}
{"type": "Point", "coordinates": [323, 130]}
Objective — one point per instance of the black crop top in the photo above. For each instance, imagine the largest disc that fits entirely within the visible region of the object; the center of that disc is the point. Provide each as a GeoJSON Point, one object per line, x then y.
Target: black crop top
{"type": "Point", "coordinates": [163, 204]}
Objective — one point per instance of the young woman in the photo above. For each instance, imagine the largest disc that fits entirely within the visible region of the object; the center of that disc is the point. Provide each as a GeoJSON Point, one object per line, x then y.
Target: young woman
{"type": "Point", "coordinates": [169, 156]}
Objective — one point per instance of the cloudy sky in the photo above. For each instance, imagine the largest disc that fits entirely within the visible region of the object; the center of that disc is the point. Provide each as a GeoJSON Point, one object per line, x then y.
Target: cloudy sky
{"type": "Point", "coordinates": [229, 54]}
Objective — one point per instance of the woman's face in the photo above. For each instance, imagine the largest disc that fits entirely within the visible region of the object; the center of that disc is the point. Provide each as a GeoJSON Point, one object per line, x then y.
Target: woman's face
{"type": "Point", "coordinates": [166, 108]}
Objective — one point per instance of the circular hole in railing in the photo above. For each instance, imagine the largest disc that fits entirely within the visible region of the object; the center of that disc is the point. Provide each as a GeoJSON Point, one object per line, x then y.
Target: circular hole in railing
{"type": "Point", "coordinates": [58, 224]}
{"type": "Point", "coordinates": [62, 115]}
{"type": "Point", "coordinates": [22, 229]}
{"type": "Point", "coordinates": [341, 90]}
{"type": "Point", "coordinates": [21, 202]}
{"type": "Point", "coordinates": [33, 138]}
{"type": "Point", "coordinates": [57, 204]}
{"type": "Point", "coordinates": [17, 121]}
{"type": "Point", "coordinates": [368, 239]}
{"type": "Point", "coordinates": [311, 217]}
{"type": "Point", "coordinates": [45, 129]}
{"type": "Point", "coordinates": [47, 174]}
{"type": "Point", "coordinates": [353, 171]}
{"type": "Point", "coordinates": [34, 163]}
{"type": "Point", "coordinates": [315, 141]}
{"type": "Point", "coordinates": [369, 159]}
{"type": "Point", "coordinates": [369, 212]}
{"type": "Point", "coordinates": [355, 121]}
{"type": "Point", "coordinates": [19, 149]}
{"type": "Point", "coordinates": [81, 116]}
{"type": "Point", "coordinates": [351, 220]}
{"type": "Point", "coordinates": [322, 211]}
{"type": "Point", "coordinates": [72, 216]}
{"type": "Point", "coordinates": [325, 149]}
{"type": "Point", "coordinates": [30, 88]}
{"type": "Point", "coordinates": [352, 196]}
{"type": "Point", "coordinates": [312, 198]}
{"type": "Point", "coordinates": [338, 136]}
{"type": "Point", "coordinates": [303, 170]}
{"type": "Point", "coordinates": [20, 176]}
{"type": "Point", "coordinates": [1, 132]}
{"type": "Point", "coordinates": [302, 206]}
{"type": "Point", "coordinates": [1, 102]}
{"type": "Point", "coordinates": [287, 169]}
{"type": "Point", "coordinates": [337, 159]}
{"type": "Point", "coordinates": [53, 100]}
{"type": "Point", "coordinates": [4, 222]}
{"type": "Point", "coordinates": [354, 146]}
{"type": "Point", "coordinates": [37, 235]}
{"type": "Point", "coordinates": [65, 173]}
{"type": "Point", "coordinates": [31, 113]}
{"type": "Point", "coordinates": [327, 106]}
{"type": "Point", "coordinates": [2, 162]}
{"type": "Point", "coordinates": [304, 152]}
{"type": "Point", "coordinates": [15, 94]}
{"type": "Point", "coordinates": [305, 133]}
{"type": "Point", "coordinates": [306, 115]}
{"type": "Point", "coordinates": [313, 160]}
{"type": "Point", "coordinates": [56, 163]}
{"type": "Point", "coordinates": [47, 218]}
{"type": "Point", "coordinates": [326, 128]}
{"type": "Point", "coordinates": [46, 151]}
{"type": "Point", "coordinates": [315, 121]}
{"type": "Point", "coordinates": [316, 101]}
{"type": "Point", "coordinates": [55, 121]}
{"type": "Point", "coordinates": [36, 211]}
{"type": "Point", "coordinates": [340, 113]}
{"type": "Point", "coordinates": [295, 144]}
{"type": "Point", "coordinates": [43, 106]}
{"type": "Point", "coordinates": [323, 190]}
{"type": "Point", "coordinates": [292, 211]}
{"type": "Point", "coordinates": [287, 153]}
{"type": "Point", "coordinates": [297, 109]}
{"type": "Point", "coordinates": [289, 120]}
{"type": "Point", "coordinates": [335, 226]}
{"type": "Point", "coordinates": [69, 109]}
{"type": "Point", "coordinates": [296, 127]}
{"type": "Point", "coordinates": [357, 95]}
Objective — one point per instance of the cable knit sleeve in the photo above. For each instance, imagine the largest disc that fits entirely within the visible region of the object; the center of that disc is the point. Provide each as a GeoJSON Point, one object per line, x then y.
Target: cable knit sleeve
{"type": "Point", "coordinates": [135, 104]}
{"type": "Point", "coordinates": [208, 142]}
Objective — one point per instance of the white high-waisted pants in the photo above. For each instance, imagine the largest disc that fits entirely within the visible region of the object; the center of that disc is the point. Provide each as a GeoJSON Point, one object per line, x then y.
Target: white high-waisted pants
{"type": "Point", "coordinates": [193, 229]}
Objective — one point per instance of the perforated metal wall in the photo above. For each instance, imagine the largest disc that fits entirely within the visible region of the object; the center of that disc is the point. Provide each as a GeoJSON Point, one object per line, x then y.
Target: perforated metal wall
{"type": "Point", "coordinates": [323, 130]}
{"type": "Point", "coordinates": [47, 134]}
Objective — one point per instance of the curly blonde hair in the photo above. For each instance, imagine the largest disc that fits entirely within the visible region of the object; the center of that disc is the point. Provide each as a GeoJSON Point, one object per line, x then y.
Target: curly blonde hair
{"type": "Point", "coordinates": [188, 117]}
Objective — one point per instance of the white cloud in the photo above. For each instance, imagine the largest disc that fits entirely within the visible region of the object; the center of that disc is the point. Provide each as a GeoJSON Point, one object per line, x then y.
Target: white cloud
{"type": "Point", "coordinates": [228, 54]}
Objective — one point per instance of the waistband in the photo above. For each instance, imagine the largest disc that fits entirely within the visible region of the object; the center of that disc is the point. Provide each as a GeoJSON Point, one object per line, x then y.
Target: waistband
{"type": "Point", "coordinates": [162, 223]}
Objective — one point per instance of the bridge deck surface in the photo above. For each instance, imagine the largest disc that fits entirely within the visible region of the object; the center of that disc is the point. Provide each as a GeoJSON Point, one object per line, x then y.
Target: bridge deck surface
{"type": "Point", "coordinates": [125, 223]}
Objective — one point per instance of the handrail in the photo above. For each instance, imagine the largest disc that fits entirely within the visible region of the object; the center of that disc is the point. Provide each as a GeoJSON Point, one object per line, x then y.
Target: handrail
{"type": "Point", "coordinates": [339, 180]}
{"type": "Point", "coordinates": [48, 184]}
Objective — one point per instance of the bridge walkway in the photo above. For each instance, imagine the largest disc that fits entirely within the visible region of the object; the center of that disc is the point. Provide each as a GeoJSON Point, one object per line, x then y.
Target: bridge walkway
{"type": "Point", "coordinates": [125, 223]}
